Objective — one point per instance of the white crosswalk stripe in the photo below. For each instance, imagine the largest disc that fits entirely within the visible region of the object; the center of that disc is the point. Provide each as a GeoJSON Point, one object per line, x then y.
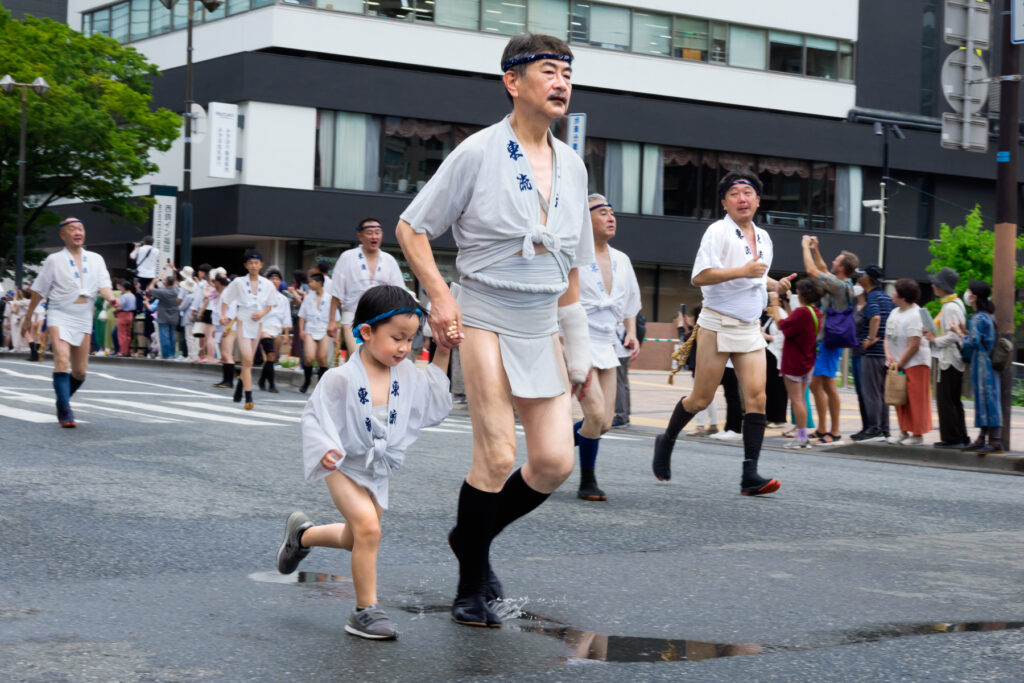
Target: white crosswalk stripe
{"type": "Point", "coordinates": [195, 414]}
{"type": "Point", "coordinates": [234, 409]}
{"type": "Point", "coordinates": [25, 415]}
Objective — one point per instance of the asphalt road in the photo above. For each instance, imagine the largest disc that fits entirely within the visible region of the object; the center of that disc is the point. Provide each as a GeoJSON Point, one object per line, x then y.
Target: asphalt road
{"type": "Point", "coordinates": [140, 546]}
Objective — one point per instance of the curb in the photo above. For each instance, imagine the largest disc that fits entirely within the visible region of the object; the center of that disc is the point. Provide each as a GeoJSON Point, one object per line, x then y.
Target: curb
{"type": "Point", "coordinates": [1005, 463]}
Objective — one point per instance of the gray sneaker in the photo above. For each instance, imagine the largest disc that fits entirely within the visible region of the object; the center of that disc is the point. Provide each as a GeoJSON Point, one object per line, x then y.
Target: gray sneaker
{"type": "Point", "coordinates": [291, 551]}
{"type": "Point", "coordinates": [371, 623]}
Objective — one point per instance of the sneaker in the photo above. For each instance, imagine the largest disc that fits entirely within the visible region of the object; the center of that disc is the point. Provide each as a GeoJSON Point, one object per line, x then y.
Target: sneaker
{"type": "Point", "coordinates": [291, 551]}
{"type": "Point", "coordinates": [727, 436]}
{"type": "Point", "coordinates": [706, 431]}
{"type": "Point", "coordinates": [371, 623]}
{"type": "Point", "coordinates": [990, 449]}
{"type": "Point", "coordinates": [65, 416]}
{"type": "Point", "coordinates": [797, 443]}
{"type": "Point", "coordinates": [619, 422]}
{"type": "Point", "coordinates": [759, 486]}
{"type": "Point", "coordinates": [865, 436]}
{"type": "Point", "coordinates": [776, 425]}
{"type": "Point", "coordinates": [951, 446]}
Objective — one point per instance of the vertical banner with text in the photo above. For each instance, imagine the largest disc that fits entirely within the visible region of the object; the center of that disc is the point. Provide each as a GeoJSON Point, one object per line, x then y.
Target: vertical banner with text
{"type": "Point", "coordinates": [577, 133]}
{"type": "Point", "coordinates": [164, 222]}
{"type": "Point", "coordinates": [223, 133]}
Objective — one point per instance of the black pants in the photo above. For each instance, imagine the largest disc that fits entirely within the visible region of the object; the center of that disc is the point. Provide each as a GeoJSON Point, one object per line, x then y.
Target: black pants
{"type": "Point", "coordinates": [622, 390]}
{"type": "Point", "coordinates": [952, 428]}
{"type": "Point", "coordinates": [775, 394]}
{"type": "Point", "coordinates": [733, 402]}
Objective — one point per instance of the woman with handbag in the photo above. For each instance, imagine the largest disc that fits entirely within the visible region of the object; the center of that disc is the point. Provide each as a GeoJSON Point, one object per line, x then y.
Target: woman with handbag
{"type": "Point", "coordinates": [908, 351]}
{"type": "Point", "coordinates": [978, 342]}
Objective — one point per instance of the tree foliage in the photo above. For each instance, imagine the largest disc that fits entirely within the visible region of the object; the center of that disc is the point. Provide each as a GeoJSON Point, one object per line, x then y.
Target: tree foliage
{"type": "Point", "coordinates": [968, 249]}
{"type": "Point", "coordinates": [89, 136]}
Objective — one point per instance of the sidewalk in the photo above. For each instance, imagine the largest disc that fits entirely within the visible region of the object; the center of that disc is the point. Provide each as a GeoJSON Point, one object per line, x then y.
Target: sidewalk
{"type": "Point", "coordinates": [653, 399]}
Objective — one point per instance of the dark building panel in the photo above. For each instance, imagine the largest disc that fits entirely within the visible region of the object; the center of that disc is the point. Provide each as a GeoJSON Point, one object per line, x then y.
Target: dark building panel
{"type": "Point", "coordinates": [51, 9]}
{"type": "Point", "coordinates": [889, 55]}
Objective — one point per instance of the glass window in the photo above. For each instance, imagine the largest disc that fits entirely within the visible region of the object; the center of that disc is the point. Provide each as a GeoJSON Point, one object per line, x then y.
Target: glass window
{"type": "Point", "coordinates": [356, 151]}
{"type": "Point", "coordinates": [504, 16]}
{"type": "Point", "coordinates": [140, 19]}
{"type": "Point", "coordinates": [411, 152]}
{"type": "Point", "coordinates": [593, 159]}
{"type": "Point", "coordinates": [207, 15]}
{"type": "Point", "coordinates": [354, 6]}
{"type": "Point", "coordinates": [159, 18]}
{"type": "Point", "coordinates": [845, 69]}
{"type": "Point", "coordinates": [822, 57]}
{"type": "Point", "coordinates": [457, 13]}
{"type": "Point", "coordinates": [681, 193]}
{"type": "Point", "coordinates": [264, 3]}
{"type": "Point", "coordinates": [719, 43]}
{"type": "Point", "coordinates": [87, 24]}
{"type": "Point", "coordinates": [101, 22]}
{"type": "Point", "coordinates": [179, 14]}
{"type": "Point", "coordinates": [119, 22]}
{"type": "Point", "coordinates": [690, 39]}
{"type": "Point", "coordinates": [747, 47]}
{"type": "Point", "coordinates": [236, 6]}
{"type": "Point", "coordinates": [550, 17]}
{"type": "Point", "coordinates": [786, 52]}
{"type": "Point", "coordinates": [600, 25]}
{"type": "Point", "coordinates": [652, 34]}
{"type": "Point", "coordinates": [323, 163]}
{"type": "Point", "coordinates": [395, 9]}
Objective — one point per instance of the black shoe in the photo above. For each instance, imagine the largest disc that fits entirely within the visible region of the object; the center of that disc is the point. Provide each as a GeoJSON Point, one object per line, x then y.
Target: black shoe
{"type": "Point", "coordinates": [619, 422]}
{"type": "Point", "coordinates": [974, 445]}
{"type": "Point", "coordinates": [238, 391]}
{"type": "Point", "coordinates": [304, 387]}
{"type": "Point", "coordinates": [661, 465]}
{"type": "Point", "coordinates": [950, 446]}
{"type": "Point", "coordinates": [222, 385]}
{"type": "Point", "coordinates": [492, 589]}
{"type": "Point", "coordinates": [863, 436]}
{"type": "Point", "coordinates": [472, 610]}
{"type": "Point", "coordinates": [65, 416]}
{"type": "Point", "coordinates": [291, 551]}
{"type": "Point", "coordinates": [271, 389]}
{"type": "Point", "coordinates": [758, 486]}
{"type": "Point", "coordinates": [262, 383]}
{"type": "Point", "coordinates": [990, 449]}
{"type": "Point", "coordinates": [588, 486]}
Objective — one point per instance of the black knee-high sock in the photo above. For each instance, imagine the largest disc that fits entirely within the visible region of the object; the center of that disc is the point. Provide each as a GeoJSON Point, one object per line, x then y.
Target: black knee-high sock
{"type": "Point", "coordinates": [268, 371]}
{"type": "Point", "coordinates": [473, 533]}
{"type": "Point", "coordinates": [228, 373]}
{"type": "Point", "coordinates": [75, 383]}
{"type": "Point", "coordinates": [320, 372]}
{"type": "Point", "coordinates": [307, 372]}
{"type": "Point", "coordinates": [680, 417]}
{"type": "Point", "coordinates": [753, 437]}
{"type": "Point", "coordinates": [516, 499]}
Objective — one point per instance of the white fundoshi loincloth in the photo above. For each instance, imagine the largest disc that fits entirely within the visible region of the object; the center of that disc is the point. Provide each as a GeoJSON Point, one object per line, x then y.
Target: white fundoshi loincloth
{"type": "Point", "coordinates": [733, 335]}
{"type": "Point", "coordinates": [73, 321]}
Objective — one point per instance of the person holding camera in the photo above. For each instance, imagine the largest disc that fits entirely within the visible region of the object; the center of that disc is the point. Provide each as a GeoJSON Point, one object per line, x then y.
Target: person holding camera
{"type": "Point", "coordinates": [146, 258]}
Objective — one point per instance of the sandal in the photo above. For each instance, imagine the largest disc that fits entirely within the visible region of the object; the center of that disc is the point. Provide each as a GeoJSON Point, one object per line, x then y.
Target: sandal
{"type": "Point", "coordinates": [791, 434]}
{"type": "Point", "coordinates": [815, 435]}
{"type": "Point", "coordinates": [828, 438]}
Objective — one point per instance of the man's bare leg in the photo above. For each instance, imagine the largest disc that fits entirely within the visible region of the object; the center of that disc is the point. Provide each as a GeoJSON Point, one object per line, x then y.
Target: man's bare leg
{"type": "Point", "coordinates": [350, 342]}
{"type": "Point", "coordinates": [710, 368]}
{"type": "Point", "coordinates": [751, 372]}
{"type": "Point", "coordinates": [70, 364]}
{"type": "Point", "coordinates": [598, 409]}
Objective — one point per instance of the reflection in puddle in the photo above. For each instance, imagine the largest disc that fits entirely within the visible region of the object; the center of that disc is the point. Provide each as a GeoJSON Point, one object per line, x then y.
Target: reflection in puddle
{"type": "Point", "coordinates": [593, 646]}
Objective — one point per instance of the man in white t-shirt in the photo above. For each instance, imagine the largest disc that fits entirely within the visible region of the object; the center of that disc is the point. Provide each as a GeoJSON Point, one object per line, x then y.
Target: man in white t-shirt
{"type": "Point", "coordinates": [147, 261]}
{"type": "Point", "coordinates": [356, 271]}
{"type": "Point", "coordinates": [731, 269]}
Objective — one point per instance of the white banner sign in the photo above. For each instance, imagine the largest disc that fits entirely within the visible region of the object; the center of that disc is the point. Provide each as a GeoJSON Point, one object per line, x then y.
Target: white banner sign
{"type": "Point", "coordinates": [164, 222]}
{"type": "Point", "coordinates": [577, 137]}
{"type": "Point", "coordinates": [223, 133]}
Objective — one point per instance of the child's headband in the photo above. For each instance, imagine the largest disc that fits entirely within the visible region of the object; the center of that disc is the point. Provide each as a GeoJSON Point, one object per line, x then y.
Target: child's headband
{"type": "Point", "coordinates": [383, 316]}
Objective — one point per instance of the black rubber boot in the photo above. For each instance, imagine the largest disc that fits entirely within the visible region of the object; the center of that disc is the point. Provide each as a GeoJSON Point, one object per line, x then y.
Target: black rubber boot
{"type": "Point", "coordinates": [227, 371]}
{"type": "Point", "coordinates": [268, 368]}
{"type": "Point", "coordinates": [588, 486]}
{"type": "Point", "coordinates": [33, 351]}
{"type": "Point", "coordinates": [307, 372]}
{"type": "Point", "coordinates": [238, 391]}
{"type": "Point", "coordinates": [262, 382]}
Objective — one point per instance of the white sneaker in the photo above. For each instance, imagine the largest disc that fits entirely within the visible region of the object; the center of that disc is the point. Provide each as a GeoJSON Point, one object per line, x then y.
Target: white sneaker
{"type": "Point", "coordinates": [912, 440]}
{"type": "Point", "coordinates": [727, 435]}
{"type": "Point", "coordinates": [777, 425]}
{"type": "Point", "coordinates": [797, 443]}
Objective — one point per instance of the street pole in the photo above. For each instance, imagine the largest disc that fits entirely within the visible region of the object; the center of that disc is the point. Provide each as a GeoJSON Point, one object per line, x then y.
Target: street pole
{"type": "Point", "coordinates": [19, 240]}
{"type": "Point", "coordinates": [882, 188]}
{"type": "Point", "coordinates": [1004, 260]}
{"type": "Point", "coordinates": [186, 204]}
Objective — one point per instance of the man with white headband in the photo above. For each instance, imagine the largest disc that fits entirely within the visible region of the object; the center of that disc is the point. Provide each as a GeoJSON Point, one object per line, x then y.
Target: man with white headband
{"type": "Point", "coordinates": [70, 280]}
{"type": "Point", "coordinates": [516, 200]}
{"type": "Point", "coordinates": [731, 270]}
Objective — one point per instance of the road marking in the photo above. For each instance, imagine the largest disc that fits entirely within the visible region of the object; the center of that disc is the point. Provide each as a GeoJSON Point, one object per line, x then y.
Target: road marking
{"type": "Point", "coordinates": [81, 405]}
{"type": "Point", "coordinates": [229, 409]}
{"type": "Point", "coordinates": [25, 415]}
{"type": "Point", "coordinates": [198, 415]}
{"type": "Point", "coordinates": [21, 374]}
{"type": "Point", "coordinates": [446, 431]}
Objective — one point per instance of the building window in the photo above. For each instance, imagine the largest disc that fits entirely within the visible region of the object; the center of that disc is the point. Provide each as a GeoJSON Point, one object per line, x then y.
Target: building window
{"type": "Point", "coordinates": [719, 44]}
{"type": "Point", "coordinates": [786, 52]}
{"type": "Point", "coordinates": [846, 61]}
{"type": "Point", "coordinates": [179, 15]}
{"type": "Point", "coordinates": [207, 15]}
{"type": "Point", "coordinates": [600, 25]}
{"type": "Point", "coordinates": [139, 19]}
{"type": "Point", "coordinates": [160, 18]}
{"type": "Point", "coordinates": [101, 22]}
{"type": "Point", "coordinates": [411, 152]}
{"type": "Point", "coordinates": [347, 151]}
{"type": "Point", "coordinates": [593, 159]}
{"type": "Point", "coordinates": [236, 6]}
{"type": "Point", "coordinates": [747, 47]}
{"type": "Point", "coordinates": [690, 39]}
{"type": "Point", "coordinates": [652, 34]}
{"type": "Point", "coordinates": [119, 22]}
{"type": "Point", "coordinates": [797, 193]}
{"type": "Point", "coordinates": [633, 177]}
{"type": "Point", "coordinates": [822, 57]}
{"type": "Point", "coordinates": [410, 10]}
{"type": "Point", "coordinates": [550, 17]}
{"type": "Point", "coordinates": [502, 16]}
{"type": "Point", "coordinates": [457, 13]}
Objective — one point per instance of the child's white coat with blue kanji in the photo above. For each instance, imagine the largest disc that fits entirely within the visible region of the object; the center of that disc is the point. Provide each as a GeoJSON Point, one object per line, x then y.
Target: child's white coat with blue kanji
{"type": "Point", "coordinates": [339, 416]}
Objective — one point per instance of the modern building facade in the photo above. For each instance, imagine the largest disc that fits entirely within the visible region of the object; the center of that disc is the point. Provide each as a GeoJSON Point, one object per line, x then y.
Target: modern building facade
{"type": "Point", "coordinates": [348, 106]}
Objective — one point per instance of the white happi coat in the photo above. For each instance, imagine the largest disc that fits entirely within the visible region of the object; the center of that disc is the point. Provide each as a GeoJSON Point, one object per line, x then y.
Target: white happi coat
{"type": "Point", "coordinates": [352, 277]}
{"type": "Point", "coordinates": [60, 282]}
{"type": "Point", "coordinates": [724, 246]}
{"type": "Point", "coordinates": [605, 310]}
{"type": "Point", "coordinates": [339, 416]}
{"type": "Point", "coordinates": [240, 292]}
{"type": "Point", "coordinates": [316, 317]}
{"type": "Point", "coordinates": [280, 316]}
{"type": "Point", "coordinates": [485, 192]}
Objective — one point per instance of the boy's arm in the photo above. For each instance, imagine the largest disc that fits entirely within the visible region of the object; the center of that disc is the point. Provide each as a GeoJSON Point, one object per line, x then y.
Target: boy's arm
{"type": "Point", "coordinates": [441, 358]}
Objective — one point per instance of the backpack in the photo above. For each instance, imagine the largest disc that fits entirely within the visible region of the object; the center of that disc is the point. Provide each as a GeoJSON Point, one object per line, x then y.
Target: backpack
{"type": "Point", "coordinates": [1002, 354]}
{"type": "Point", "coordinates": [840, 330]}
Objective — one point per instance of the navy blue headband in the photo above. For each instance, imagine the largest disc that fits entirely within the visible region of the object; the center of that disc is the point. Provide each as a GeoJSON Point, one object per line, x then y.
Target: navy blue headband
{"type": "Point", "coordinates": [740, 182]}
{"type": "Point", "coordinates": [598, 206]}
{"type": "Point", "coordinates": [383, 316]}
{"type": "Point", "coordinates": [516, 61]}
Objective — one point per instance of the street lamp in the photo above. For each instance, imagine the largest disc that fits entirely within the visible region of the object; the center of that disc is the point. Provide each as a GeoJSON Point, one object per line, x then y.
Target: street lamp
{"type": "Point", "coordinates": [8, 84]}
{"type": "Point", "coordinates": [883, 128]}
{"type": "Point", "coordinates": [186, 203]}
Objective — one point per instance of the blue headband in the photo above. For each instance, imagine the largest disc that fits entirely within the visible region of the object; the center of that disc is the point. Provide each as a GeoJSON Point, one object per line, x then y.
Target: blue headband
{"type": "Point", "coordinates": [740, 182]}
{"type": "Point", "coordinates": [383, 316]}
{"type": "Point", "coordinates": [598, 206]}
{"type": "Point", "coordinates": [516, 61]}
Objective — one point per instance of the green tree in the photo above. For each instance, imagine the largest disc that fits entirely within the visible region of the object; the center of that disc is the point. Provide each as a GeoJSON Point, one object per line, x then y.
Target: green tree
{"type": "Point", "coordinates": [89, 136]}
{"type": "Point", "coordinates": [967, 249]}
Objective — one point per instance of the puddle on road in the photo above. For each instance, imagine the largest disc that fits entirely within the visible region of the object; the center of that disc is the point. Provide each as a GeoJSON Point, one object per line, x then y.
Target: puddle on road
{"type": "Point", "coordinates": [594, 646]}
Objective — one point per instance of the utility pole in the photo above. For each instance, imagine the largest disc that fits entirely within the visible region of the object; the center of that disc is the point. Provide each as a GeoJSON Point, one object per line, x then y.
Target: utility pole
{"type": "Point", "coordinates": [1004, 260]}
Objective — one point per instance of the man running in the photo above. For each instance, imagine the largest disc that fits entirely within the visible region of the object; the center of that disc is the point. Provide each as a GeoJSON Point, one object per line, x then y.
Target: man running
{"type": "Point", "coordinates": [516, 200]}
{"type": "Point", "coordinates": [70, 280]}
